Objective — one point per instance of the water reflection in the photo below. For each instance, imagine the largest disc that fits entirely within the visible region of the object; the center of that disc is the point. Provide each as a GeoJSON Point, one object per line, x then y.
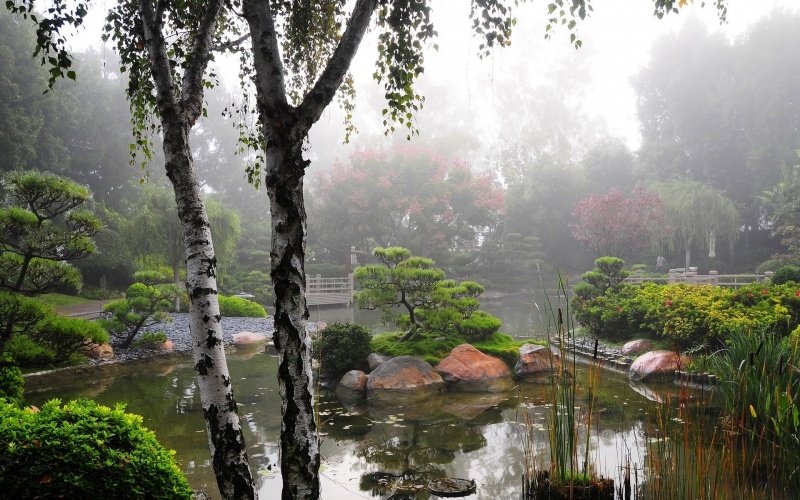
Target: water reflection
{"type": "Point", "coordinates": [474, 436]}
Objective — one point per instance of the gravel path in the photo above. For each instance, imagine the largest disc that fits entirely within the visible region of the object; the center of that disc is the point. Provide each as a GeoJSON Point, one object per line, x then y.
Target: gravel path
{"type": "Point", "coordinates": [178, 332]}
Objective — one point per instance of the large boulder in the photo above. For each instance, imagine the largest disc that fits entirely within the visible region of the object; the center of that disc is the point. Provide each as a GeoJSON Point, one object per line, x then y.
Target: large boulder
{"type": "Point", "coordinates": [468, 369]}
{"type": "Point", "coordinates": [536, 363]}
{"type": "Point", "coordinates": [352, 385]}
{"type": "Point", "coordinates": [657, 365]}
{"type": "Point", "coordinates": [636, 347]}
{"type": "Point", "coordinates": [375, 360]}
{"type": "Point", "coordinates": [100, 352]}
{"type": "Point", "coordinates": [403, 379]}
{"type": "Point", "coordinates": [249, 338]}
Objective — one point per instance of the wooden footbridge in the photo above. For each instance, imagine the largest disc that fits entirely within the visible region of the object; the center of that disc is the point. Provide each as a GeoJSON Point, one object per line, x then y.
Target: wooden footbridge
{"type": "Point", "coordinates": [329, 291]}
{"type": "Point", "coordinates": [691, 277]}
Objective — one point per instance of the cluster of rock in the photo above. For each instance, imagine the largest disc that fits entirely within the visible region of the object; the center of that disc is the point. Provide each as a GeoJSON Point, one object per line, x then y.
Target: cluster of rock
{"type": "Point", "coordinates": [465, 369]}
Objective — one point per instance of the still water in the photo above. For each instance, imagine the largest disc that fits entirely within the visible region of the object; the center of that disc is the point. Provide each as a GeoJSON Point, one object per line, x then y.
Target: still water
{"type": "Point", "coordinates": [477, 436]}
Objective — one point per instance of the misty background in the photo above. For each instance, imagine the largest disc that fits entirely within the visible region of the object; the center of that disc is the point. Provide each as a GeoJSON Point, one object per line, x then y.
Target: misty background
{"type": "Point", "coordinates": [503, 149]}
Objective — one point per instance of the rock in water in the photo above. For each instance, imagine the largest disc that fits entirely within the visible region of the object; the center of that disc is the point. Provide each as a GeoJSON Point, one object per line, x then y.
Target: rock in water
{"type": "Point", "coordinates": [468, 369]}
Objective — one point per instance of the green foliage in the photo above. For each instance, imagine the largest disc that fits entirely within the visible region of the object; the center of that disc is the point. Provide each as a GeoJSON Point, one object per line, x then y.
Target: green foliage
{"type": "Point", "coordinates": [41, 229]}
{"type": "Point", "coordinates": [65, 336]}
{"type": "Point", "coordinates": [689, 314]}
{"type": "Point", "coordinates": [151, 338]}
{"type": "Point", "coordinates": [503, 346]}
{"type": "Point", "coordinates": [84, 450]}
{"type": "Point", "coordinates": [430, 346]}
{"type": "Point", "coordinates": [237, 307]}
{"type": "Point", "coordinates": [255, 282]}
{"type": "Point", "coordinates": [786, 274]}
{"type": "Point", "coordinates": [12, 384]}
{"type": "Point", "coordinates": [343, 346]}
{"type": "Point", "coordinates": [759, 382]}
{"type": "Point", "coordinates": [432, 302]}
{"type": "Point", "coordinates": [478, 326]}
{"type": "Point", "coordinates": [143, 306]}
{"type": "Point", "coordinates": [151, 277]}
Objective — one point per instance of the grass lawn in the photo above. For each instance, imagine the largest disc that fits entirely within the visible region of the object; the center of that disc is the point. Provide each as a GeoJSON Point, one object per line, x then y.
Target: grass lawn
{"type": "Point", "coordinates": [61, 300]}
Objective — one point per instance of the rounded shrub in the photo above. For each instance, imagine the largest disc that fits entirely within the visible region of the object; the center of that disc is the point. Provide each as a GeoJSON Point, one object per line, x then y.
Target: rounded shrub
{"type": "Point", "coordinates": [785, 275]}
{"type": "Point", "coordinates": [136, 290]}
{"type": "Point", "coordinates": [237, 307]}
{"type": "Point", "coordinates": [83, 450]}
{"type": "Point", "coordinates": [480, 325]}
{"type": "Point", "coordinates": [12, 384]}
{"type": "Point", "coordinates": [342, 347]}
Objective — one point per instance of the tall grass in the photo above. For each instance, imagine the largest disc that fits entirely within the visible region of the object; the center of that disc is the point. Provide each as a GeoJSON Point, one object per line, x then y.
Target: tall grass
{"type": "Point", "coordinates": [569, 420]}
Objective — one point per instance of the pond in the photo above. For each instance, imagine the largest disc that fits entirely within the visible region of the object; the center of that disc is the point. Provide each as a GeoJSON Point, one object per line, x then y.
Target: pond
{"type": "Point", "coordinates": [477, 436]}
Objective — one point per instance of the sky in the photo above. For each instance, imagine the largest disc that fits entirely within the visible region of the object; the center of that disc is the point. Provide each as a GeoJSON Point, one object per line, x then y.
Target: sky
{"type": "Point", "coordinates": [466, 91]}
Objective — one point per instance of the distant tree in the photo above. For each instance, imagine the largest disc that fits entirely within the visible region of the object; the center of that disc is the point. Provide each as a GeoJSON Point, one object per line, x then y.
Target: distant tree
{"type": "Point", "coordinates": [40, 230]}
{"type": "Point", "coordinates": [157, 218]}
{"type": "Point", "coordinates": [619, 226]}
{"type": "Point", "coordinates": [407, 197]}
{"type": "Point", "coordinates": [784, 202]}
{"type": "Point", "coordinates": [700, 215]}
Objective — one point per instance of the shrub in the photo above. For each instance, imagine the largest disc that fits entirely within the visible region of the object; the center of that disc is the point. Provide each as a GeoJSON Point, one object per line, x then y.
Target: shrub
{"type": "Point", "coordinates": [343, 347]}
{"type": "Point", "coordinates": [66, 336]}
{"type": "Point", "coordinates": [479, 325]}
{"type": "Point", "coordinates": [237, 307]}
{"type": "Point", "coordinates": [143, 306]}
{"type": "Point", "coordinates": [12, 384]}
{"type": "Point", "coordinates": [151, 338]}
{"type": "Point", "coordinates": [786, 274]}
{"type": "Point", "coordinates": [84, 450]}
{"type": "Point", "coordinates": [151, 277]}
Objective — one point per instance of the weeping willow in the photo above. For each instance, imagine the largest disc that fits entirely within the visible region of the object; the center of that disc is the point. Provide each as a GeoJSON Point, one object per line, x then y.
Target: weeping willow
{"type": "Point", "coordinates": [699, 215]}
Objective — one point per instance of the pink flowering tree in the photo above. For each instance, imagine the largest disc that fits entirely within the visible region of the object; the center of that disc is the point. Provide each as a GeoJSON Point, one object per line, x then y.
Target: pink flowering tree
{"type": "Point", "coordinates": [408, 197]}
{"type": "Point", "coordinates": [619, 226]}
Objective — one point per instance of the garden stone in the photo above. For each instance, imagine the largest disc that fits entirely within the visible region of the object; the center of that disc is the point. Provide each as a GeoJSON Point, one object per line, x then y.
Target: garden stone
{"type": "Point", "coordinates": [352, 385]}
{"type": "Point", "coordinates": [657, 365]}
{"type": "Point", "coordinates": [536, 363]}
{"type": "Point", "coordinates": [375, 360]}
{"type": "Point", "coordinates": [468, 369]}
{"type": "Point", "coordinates": [167, 345]}
{"type": "Point", "coordinates": [403, 379]}
{"type": "Point", "coordinates": [636, 347]}
{"type": "Point", "coordinates": [249, 337]}
{"type": "Point", "coordinates": [102, 352]}
{"type": "Point", "coordinates": [271, 349]}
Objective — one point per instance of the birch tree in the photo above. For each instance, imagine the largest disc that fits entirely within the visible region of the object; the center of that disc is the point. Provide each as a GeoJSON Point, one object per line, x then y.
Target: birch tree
{"type": "Point", "coordinates": [165, 47]}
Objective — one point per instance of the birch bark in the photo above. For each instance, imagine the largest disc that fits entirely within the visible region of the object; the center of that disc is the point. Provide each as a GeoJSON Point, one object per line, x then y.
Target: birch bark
{"type": "Point", "coordinates": [285, 128]}
{"type": "Point", "coordinates": [177, 112]}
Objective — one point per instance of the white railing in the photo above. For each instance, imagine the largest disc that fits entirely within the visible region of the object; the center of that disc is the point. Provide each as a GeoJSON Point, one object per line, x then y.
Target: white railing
{"type": "Point", "coordinates": [691, 277]}
{"type": "Point", "coordinates": [322, 291]}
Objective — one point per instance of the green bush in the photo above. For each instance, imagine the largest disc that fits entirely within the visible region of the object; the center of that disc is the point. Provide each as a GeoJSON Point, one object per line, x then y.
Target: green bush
{"type": "Point", "coordinates": [66, 336]}
{"type": "Point", "coordinates": [12, 384]}
{"type": "Point", "coordinates": [237, 307]}
{"type": "Point", "coordinates": [144, 306]}
{"type": "Point", "coordinates": [478, 326]}
{"type": "Point", "coordinates": [83, 450]}
{"type": "Point", "coordinates": [786, 274]}
{"type": "Point", "coordinates": [343, 347]}
{"type": "Point", "coordinates": [151, 277]}
{"type": "Point", "coordinates": [151, 338]}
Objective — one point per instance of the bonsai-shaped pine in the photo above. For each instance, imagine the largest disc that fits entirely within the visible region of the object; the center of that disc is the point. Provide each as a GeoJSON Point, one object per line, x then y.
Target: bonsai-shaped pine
{"type": "Point", "coordinates": [40, 230]}
{"type": "Point", "coordinates": [607, 275]}
{"type": "Point", "coordinates": [432, 302]}
{"type": "Point", "coordinates": [143, 306]}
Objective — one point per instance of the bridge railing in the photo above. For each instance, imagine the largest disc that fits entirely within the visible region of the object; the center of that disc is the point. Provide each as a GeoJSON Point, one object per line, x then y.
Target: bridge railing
{"type": "Point", "coordinates": [713, 278]}
{"type": "Point", "coordinates": [320, 291]}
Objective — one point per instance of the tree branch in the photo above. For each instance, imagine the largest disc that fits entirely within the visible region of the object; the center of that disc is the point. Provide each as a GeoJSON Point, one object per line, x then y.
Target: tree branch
{"type": "Point", "coordinates": [230, 44]}
{"type": "Point", "coordinates": [270, 84]}
{"type": "Point", "coordinates": [328, 83]}
{"type": "Point", "coordinates": [198, 58]}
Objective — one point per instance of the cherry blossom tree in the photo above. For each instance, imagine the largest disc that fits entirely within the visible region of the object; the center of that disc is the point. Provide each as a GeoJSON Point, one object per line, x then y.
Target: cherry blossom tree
{"type": "Point", "coordinates": [619, 226]}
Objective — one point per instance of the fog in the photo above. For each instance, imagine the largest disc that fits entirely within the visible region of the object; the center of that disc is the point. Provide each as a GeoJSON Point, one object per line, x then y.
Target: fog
{"type": "Point", "coordinates": [503, 149]}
